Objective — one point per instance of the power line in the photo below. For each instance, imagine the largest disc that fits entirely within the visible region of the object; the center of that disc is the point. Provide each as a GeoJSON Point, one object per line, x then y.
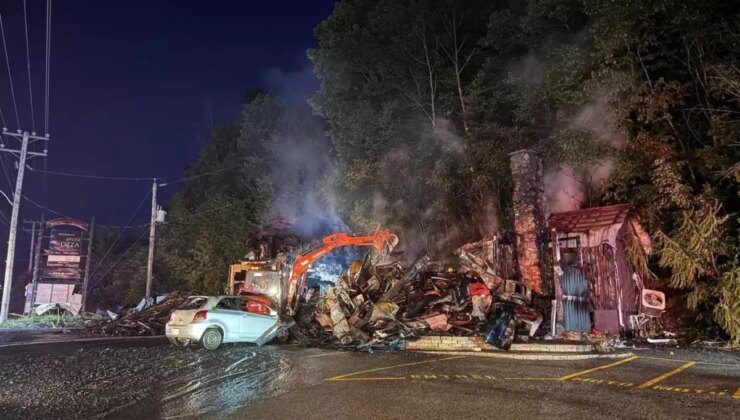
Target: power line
{"type": "Point", "coordinates": [97, 267]}
{"type": "Point", "coordinates": [177, 181]}
{"type": "Point", "coordinates": [28, 61]}
{"type": "Point", "coordinates": [143, 225]}
{"type": "Point", "coordinates": [102, 276]}
{"type": "Point", "coordinates": [10, 75]}
{"type": "Point", "coordinates": [110, 178]}
{"type": "Point", "coordinates": [129, 178]}
{"type": "Point", "coordinates": [41, 206]}
{"type": "Point", "coordinates": [48, 66]}
{"type": "Point", "coordinates": [5, 170]}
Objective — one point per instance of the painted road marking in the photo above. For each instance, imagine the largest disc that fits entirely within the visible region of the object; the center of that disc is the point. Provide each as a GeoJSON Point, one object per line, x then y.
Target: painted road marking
{"type": "Point", "coordinates": [652, 385]}
{"type": "Point", "coordinates": [671, 389]}
{"type": "Point", "coordinates": [346, 376]}
{"type": "Point", "coordinates": [334, 353]}
{"type": "Point", "coordinates": [453, 376]}
{"type": "Point", "coordinates": [655, 380]}
{"type": "Point", "coordinates": [725, 365]}
{"type": "Point", "coordinates": [598, 368]}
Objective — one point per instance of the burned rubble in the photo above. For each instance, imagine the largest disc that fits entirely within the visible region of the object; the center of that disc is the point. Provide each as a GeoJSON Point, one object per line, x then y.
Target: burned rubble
{"type": "Point", "coordinates": [147, 318]}
{"type": "Point", "coordinates": [381, 303]}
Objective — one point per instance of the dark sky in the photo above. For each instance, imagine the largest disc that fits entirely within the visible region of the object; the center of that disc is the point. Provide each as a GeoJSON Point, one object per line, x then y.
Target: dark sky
{"type": "Point", "coordinates": [131, 83]}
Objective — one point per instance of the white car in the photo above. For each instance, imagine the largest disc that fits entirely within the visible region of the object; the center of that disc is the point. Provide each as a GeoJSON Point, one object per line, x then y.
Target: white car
{"type": "Point", "coordinates": [213, 320]}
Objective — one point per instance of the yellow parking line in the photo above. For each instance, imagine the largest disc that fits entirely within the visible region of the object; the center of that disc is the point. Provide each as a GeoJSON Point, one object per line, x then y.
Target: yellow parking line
{"type": "Point", "coordinates": [726, 365]}
{"type": "Point", "coordinates": [666, 375]}
{"type": "Point", "coordinates": [334, 353]}
{"type": "Point", "coordinates": [587, 371]}
{"type": "Point", "coordinates": [736, 394]}
{"type": "Point", "coordinates": [346, 375]}
{"type": "Point", "coordinates": [380, 378]}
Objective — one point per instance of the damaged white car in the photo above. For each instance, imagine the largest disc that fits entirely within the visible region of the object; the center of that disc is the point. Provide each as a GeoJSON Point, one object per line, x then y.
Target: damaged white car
{"type": "Point", "coordinates": [213, 320]}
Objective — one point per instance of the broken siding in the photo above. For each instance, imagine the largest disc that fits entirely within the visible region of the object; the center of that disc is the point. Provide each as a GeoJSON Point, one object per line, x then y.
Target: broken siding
{"type": "Point", "coordinates": [601, 234]}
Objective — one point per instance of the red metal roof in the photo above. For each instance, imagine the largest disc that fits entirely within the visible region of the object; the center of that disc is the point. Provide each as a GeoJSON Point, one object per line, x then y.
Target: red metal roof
{"type": "Point", "coordinates": [588, 219]}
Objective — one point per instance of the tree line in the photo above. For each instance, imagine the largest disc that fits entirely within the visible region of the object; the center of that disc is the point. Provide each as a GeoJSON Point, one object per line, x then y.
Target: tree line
{"type": "Point", "coordinates": [421, 101]}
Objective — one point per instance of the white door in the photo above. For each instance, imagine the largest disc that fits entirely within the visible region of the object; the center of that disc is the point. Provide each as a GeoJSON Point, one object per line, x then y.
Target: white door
{"type": "Point", "coordinates": [253, 325]}
{"type": "Point", "coordinates": [228, 313]}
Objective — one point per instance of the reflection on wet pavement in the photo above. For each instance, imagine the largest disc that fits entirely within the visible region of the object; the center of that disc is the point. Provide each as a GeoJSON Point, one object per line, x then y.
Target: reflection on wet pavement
{"type": "Point", "coordinates": [154, 380]}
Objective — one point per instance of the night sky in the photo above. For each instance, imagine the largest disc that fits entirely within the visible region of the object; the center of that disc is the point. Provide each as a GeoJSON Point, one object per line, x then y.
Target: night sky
{"type": "Point", "coordinates": [132, 83]}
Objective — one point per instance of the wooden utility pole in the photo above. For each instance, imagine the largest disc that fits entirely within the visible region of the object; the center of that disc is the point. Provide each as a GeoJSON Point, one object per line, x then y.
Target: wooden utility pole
{"type": "Point", "coordinates": [152, 237]}
{"type": "Point", "coordinates": [87, 265]}
{"type": "Point", "coordinates": [22, 154]}
{"type": "Point", "coordinates": [33, 243]}
{"type": "Point", "coordinates": [36, 265]}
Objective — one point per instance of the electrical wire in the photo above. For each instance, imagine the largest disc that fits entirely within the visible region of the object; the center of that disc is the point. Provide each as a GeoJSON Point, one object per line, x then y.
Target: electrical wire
{"type": "Point", "coordinates": [127, 178]}
{"type": "Point", "coordinates": [105, 273]}
{"type": "Point", "coordinates": [10, 75]}
{"type": "Point", "coordinates": [97, 267]}
{"type": "Point", "coordinates": [28, 62]}
{"type": "Point", "coordinates": [41, 206]}
{"type": "Point", "coordinates": [4, 218]}
{"type": "Point", "coordinates": [111, 178]}
{"type": "Point", "coordinates": [143, 225]}
{"type": "Point", "coordinates": [200, 213]}
{"type": "Point", "coordinates": [177, 181]}
{"type": "Point", "coordinates": [5, 170]}
{"type": "Point", "coordinates": [48, 66]}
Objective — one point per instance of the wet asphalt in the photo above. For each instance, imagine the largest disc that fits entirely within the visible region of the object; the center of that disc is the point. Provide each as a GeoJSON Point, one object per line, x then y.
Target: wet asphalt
{"type": "Point", "coordinates": [150, 379]}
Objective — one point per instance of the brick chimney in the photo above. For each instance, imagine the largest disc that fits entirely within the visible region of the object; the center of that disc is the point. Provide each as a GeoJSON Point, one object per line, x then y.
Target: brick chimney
{"type": "Point", "coordinates": [530, 223]}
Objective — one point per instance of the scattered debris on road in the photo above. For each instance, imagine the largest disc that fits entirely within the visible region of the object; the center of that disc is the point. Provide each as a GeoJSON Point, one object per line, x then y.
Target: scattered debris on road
{"type": "Point", "coordinates": [147, 318]}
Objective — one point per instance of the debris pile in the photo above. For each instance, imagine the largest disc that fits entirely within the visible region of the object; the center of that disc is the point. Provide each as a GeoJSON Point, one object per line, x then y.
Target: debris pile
{"type": "Point", "coordinates": [147, 318]}
{"type": "Point", "coordinates": [379, 305]}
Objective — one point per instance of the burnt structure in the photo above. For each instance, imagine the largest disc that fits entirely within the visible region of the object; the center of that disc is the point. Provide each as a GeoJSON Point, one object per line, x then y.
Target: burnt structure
{"type": "Point", "coordinates": [530, 223]}
{"type": "Point", "coordinates": [600, 264]}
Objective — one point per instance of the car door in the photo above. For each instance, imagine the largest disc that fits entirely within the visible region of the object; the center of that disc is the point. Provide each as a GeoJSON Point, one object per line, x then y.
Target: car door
{"type": "Point", "coordinates": [228, 312]}
{"type": "Point", "coordinates": [254, 325]}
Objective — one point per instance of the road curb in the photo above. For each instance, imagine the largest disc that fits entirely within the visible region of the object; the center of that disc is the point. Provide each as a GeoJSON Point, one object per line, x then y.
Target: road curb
{"type": "Point", "coordinates": [82, 340]}
{"type": "Point", "coordinates": [532, 356]}
{"type": "Point", "coordinates": [40, 330]}
{"type": "Point", "coordinates": [477, 343]}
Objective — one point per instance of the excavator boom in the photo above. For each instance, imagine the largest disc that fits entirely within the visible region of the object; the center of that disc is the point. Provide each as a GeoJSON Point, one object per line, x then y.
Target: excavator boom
{"type": "Point", "coordinates": [302, 263]}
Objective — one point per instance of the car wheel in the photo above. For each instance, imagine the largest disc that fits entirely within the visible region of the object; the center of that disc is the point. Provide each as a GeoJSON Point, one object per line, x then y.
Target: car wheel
{"type": "Point", "coordinates": [211, 339]}
{"type": "Point", "coordinates": [179, 342]}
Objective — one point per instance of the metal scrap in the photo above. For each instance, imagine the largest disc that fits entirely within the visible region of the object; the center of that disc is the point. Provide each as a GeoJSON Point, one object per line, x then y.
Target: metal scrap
{"type": "Point", "coordinates": [379, 305]}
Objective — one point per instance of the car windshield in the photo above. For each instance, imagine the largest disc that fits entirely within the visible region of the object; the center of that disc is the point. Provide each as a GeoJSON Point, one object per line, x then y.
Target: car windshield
{"type": "Point", "coordinates": [195, 302]}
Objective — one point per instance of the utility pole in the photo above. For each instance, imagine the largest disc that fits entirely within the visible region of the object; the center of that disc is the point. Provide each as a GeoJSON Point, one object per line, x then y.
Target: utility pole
{"type": "Point", "coordinates": [33, 243]}
{"type": "Point", "coordinates": [152, 237]}
{"type": "Point", "coordinates": [36, 265]}
{"type": "Point", "coordinates": [23, 154]}
{"type": "Point", "coordinates": [85, 282]}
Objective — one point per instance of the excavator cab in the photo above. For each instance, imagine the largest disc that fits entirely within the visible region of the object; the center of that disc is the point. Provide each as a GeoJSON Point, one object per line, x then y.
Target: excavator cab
{"type": "Point", "coordinates": [284, 278]}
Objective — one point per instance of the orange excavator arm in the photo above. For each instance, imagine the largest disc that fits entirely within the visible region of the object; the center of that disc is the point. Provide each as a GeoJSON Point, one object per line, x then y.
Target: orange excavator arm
{"type": "Point", "coordinates": [377, 240]}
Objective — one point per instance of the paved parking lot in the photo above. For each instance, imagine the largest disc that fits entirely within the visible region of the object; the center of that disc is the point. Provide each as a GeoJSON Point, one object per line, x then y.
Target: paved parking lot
{"type": "Point", "coordinates": [150, 379]}
{"type": "Point", "coordinates": [433, 386]}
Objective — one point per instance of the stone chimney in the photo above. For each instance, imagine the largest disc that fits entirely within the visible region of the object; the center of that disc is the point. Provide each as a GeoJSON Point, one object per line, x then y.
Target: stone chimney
{"type": "Point", "coordinates": [530, 223]}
